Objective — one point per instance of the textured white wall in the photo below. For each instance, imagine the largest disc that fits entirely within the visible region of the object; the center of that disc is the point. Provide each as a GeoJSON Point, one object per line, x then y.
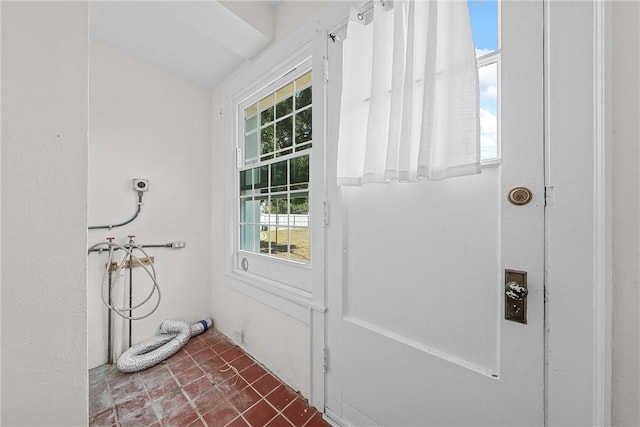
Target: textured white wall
{"type": "Point", "coordinates": [147, 123]}
{"type": "Point", "coordinates": [626, 212]}
{"type": "Point", "coordinates": [290, 15]}
{"type": "Point", "coordinates": [44, 195]}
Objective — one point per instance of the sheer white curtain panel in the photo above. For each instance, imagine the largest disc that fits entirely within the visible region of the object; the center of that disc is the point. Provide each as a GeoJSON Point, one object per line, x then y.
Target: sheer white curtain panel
{"type": "Point", "coordinates": [409, 103]}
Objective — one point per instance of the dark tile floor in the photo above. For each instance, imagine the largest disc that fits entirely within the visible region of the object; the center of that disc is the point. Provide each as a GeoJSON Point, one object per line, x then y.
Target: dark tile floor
{"type": "Point", "coordinates": [209, 382]}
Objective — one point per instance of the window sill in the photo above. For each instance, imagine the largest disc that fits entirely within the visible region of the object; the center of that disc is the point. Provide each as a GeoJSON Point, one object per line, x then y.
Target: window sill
{"type": "Point", "coordinates": [492, 163]}
{"type": "Point", "coordinates": [293, 302]}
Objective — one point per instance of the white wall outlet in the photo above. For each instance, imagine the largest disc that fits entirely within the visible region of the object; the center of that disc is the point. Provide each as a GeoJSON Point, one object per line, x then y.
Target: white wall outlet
{"type": "Point", "coordinates": [140, 184]}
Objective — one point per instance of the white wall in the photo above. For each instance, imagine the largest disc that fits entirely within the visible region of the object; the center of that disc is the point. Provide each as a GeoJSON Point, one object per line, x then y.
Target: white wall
{"type": "Point", "coordinates": [290, 15]}
{"type": "Point", "coordinates": [147, 123]}
{"type": "Point", "coordinates": [626, 212]}
{"type": "Point", "coordinates": [44, 196]}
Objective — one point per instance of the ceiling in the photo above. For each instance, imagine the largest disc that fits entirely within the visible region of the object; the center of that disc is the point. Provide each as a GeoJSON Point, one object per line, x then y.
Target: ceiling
{"type": "Point", "coordinates": [201, 41]}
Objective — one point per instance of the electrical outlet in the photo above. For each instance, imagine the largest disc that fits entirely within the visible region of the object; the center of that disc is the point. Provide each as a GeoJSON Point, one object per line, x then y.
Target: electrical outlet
{"type": "Point", "coordinates": [140, 184]}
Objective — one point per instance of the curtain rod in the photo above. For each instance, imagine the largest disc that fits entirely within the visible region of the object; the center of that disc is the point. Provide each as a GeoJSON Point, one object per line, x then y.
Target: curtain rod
{"type": "Point", "coordinates": [362, 13]}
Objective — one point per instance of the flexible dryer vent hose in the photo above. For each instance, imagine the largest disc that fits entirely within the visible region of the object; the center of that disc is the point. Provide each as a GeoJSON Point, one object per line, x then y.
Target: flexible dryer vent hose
{"type": "Point", "coordinates": [173, 335]}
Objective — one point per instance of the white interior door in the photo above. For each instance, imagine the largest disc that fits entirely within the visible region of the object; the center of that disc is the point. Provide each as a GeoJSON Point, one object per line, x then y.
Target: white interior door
{"type": "Point", "coordinates": [416, 272]}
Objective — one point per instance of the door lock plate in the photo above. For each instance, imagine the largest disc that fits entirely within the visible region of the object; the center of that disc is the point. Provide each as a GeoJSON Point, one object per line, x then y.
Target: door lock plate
{"type": "Point", "coordinates": [515, 296]}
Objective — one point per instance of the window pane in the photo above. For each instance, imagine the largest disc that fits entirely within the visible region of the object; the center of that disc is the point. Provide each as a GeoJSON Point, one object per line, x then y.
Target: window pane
{"type": "Point", "coordinates": [300, 206]}
{"type": "Point", "coordinates": [265, 239]}
{"type": "Point", "coordinates": [251, 148]}
{"type": "Point", "coordinates": [284, 133]}
{"type": "Point", "coordinates": [280, 243]}
{"type": "Point", "coordinates": [251, 110]}
{"type": "Point", "coordinates": [284, 92]}
{"type": "Point", "coordinates": [274, 196]}
{"type": "Point", "coordinates": [279, 175]}
{"type": "Point", "coordinates": [280, 207]}
{"type": "Point", "coordinates": [246, 181]}
{"type": "Point", "coordinates": [265, 219]}
{"type": "Point", "coordinates": [304, 80]}
{"type": "Point", "coordinates": [266, 102]}
{"type": "Point", "coordinates": [263, 208]}
{"type": "Point", "coordinates": [261, 177]}
{"type": "Point", "coordinates": [284, 107]}
{"type": "Point", "coordinates": [303, 98]}
{"type": "Point", "coordinates": [250, 211]}
{"type": "Point", "coordinates": [251, 123]}
{"type": "Point", "coordinates": [266, 142]}
{"type": "Point", "coordinates": [303, 126]}
{"type": "Point", "coordinates": [266, 116]}
{"type": "Point", "coordinates": [300, 170]}
{"type": "Point", "coordinates": [300, 245]}
{"type": "Point", "coordinates": [484, 25]}
{"type": "Point", "coordinates": [488, 77]}
{"type": "Point", "coordinates": [249, 237]}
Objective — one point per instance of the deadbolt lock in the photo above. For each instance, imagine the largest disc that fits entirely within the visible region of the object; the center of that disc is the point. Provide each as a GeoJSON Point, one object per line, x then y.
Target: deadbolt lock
{"type": "Point", "coordinates": [515, 296]}
{"type": "Point", "coordinates": [520, 196]}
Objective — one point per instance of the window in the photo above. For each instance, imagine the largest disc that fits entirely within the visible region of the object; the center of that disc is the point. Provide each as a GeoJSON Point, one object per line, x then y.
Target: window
{"type": "Point", "coordinates": [274, 133]}
{"type": "Point", "coordinates": [274, 123]}
{"type": "Point", "coordinates": [274, 175]}
{"type": "Point", "coordinates": [484, 24]}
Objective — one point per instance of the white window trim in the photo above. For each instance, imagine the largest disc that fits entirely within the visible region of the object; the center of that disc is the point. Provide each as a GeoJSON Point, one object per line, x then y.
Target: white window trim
{"type": "Point", "coordinates": [494, 57]}
{"type": "Point", "coordinates": [284, 273]}
{"type": "Point", "coordinates": [265, 72]}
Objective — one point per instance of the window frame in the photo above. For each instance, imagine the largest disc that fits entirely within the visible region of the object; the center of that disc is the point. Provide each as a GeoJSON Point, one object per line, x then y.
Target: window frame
{"type": "Point", "coordinates": [277, 282]}
{"type": "Point", "coordinates": [491, 58]}
{"type": "Point", "coordinates": [487, 59]}
{"type": "Point", "coordinates": [290, 76]}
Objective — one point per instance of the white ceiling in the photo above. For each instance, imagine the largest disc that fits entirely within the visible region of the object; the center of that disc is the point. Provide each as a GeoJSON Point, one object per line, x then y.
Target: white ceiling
{"type": "Point", "coordinates": [201, 41]}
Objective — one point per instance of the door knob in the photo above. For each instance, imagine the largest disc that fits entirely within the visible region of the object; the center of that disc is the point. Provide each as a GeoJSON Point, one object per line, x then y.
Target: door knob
{"type": "Point", "coordinates": [516, 292]}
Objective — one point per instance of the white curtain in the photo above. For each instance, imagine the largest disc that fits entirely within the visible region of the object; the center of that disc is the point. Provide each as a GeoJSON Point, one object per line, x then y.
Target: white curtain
{"type": "Point", "coordinates": [409, 105]}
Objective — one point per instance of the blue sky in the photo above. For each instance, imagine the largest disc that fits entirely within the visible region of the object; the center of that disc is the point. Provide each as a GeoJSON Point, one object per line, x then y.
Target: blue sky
{"type": "Point", "coordinates": [484, 23]}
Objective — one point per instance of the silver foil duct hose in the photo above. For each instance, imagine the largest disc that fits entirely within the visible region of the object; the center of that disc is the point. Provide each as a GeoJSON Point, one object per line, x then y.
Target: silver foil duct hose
{"type": "Point", "coordinates": [173, 335]}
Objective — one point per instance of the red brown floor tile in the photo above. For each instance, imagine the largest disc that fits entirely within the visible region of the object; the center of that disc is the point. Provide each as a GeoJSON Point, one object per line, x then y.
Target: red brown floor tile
{"type": "Point", "coordinates": [220, 417]}
{"type": "Point", "coordinates": [231, 354]}
{"type": "Point", "coordinates": [316, 421]}
{"type": "Point", "coordinates": [208, 383]}
{"type": "Point", "coordinates": [104, 418]}
{"type": "Point", "coordinates": [260, 414]}
{"type": "Point", "coordinates": [244, 399]}
{"type": "Point", "coordinates": [241, 363]}
{"type": "Point", "coordinates": [279, 421]}
{"type": "Point", "coordinates": [141, 416]}
{"type": "Point", "coordinates": [238, 422]}
{"type": "Point", "coordinates": [253, 373]}
{"type": "Point", "coordinates": [198, 387]}
{"type": "Point", "coordinates": [281, 397]}
{"type": "Point", "coordinates": [298, 412]}
{"type": "Point", "coordinates": [188, 375]}
{"type": "Point", "coordinates": [184, 415]}
{"type": "Point", "coordinates": [266, 384]}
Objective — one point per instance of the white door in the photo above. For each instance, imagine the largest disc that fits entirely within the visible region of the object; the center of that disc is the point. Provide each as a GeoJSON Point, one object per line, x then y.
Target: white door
{"type": "Point", "coordinates": [416, 272]}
